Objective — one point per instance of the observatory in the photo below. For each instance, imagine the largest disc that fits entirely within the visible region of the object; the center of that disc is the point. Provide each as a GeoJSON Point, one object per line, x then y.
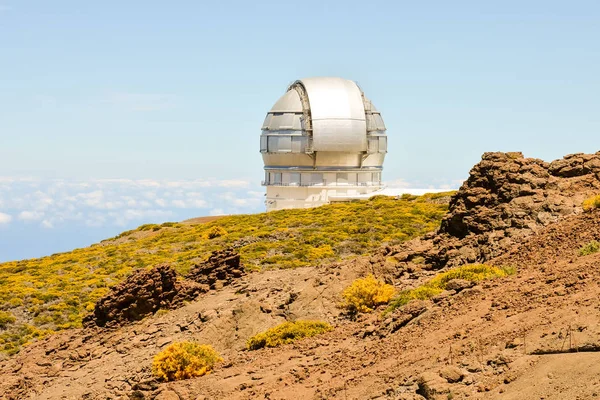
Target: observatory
{"type": "Point", "coordinates": [322, 141]}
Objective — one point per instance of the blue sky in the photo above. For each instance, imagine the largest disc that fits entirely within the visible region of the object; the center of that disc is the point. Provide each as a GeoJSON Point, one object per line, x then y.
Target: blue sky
{"type": "Point", "coordinates": [177, 91]}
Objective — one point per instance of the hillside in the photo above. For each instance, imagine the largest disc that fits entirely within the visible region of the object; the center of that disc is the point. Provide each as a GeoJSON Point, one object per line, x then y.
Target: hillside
{"type": "Point", "coordinates": [40, 296]}
{"type": "Point", "coordinates": [500, 302]}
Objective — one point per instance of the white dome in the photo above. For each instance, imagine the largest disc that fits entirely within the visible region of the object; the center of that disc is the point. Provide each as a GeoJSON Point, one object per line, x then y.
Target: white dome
{"type": "Point", "coordinates": [328, 127]}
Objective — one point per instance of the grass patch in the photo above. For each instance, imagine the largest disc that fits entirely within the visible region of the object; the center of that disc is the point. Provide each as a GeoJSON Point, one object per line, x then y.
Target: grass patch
{"type": "Point", "coordinates": [54, 293]}
{"type": "Point", "coordinates": [184, 360]}
{"type": "Point", "coordinates": [472, 273]}
{"type": "Point", "coordinates": [590, 248]}
{"type": "Point", "coordinates": [287, 332]}
{"type": "Point", "coordinates": [591, 203]}
{"type": "Point", "coordinates": [365, 294]}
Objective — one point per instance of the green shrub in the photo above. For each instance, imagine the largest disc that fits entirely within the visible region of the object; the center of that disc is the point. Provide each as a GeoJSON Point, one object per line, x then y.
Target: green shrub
{"type": "Point", "coordinates": [364, 294]}
{"type": "Point", "coordinates": [590, 248]}
{"type": "Point", "coordinates": [591, 203]}
{"type": "Point", "coordinates": [435, 286]}
{"type": "Point", "coordinates": [184, 360]}
{"type": "Point", "coordinates": [287, 332]}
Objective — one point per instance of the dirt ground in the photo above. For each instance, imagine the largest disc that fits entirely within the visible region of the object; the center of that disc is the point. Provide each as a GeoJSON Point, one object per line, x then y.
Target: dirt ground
{"type": "Point", "coordinates": [534, 335]}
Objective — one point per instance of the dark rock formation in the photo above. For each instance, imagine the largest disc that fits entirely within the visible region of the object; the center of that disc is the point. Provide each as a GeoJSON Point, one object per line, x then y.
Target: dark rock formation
{"type": "Point", "coordinates": [506, 199]}
{"type": "Point", "coordinates": [142, 293]}
{"type": "Point", "coordinates": [221, 269]}
{"type": "Point", "coordinates": [146, 291]}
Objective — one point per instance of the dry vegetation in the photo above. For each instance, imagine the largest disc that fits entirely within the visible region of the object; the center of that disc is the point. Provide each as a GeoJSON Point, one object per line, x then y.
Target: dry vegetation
{"type": "Point", "coordinates": [40, 296]}
{"type": "Point", "coordinates": [591, 203]}
{"type": "Point", "coordinates": [287, 332]}
{"type": "Point", "coordinates": [590, 248]}
{"type": "Point", "coordinates": [365, 294]}
{"type": "Point", "coordinates": [472, 273]}
{"type": "Point", "coordinates": [184, 360]}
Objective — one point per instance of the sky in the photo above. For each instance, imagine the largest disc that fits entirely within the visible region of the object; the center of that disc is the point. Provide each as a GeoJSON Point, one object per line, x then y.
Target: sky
{"type": "Point", "coordinates": [112, 113]}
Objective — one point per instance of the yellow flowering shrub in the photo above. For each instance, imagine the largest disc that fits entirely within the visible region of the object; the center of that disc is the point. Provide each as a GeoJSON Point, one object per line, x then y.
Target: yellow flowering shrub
{"type": "Point", "coordinates": [215, 232]}
{"type": "Point", "coordinates": [591, 203]}
{"type": "Point", "coordinates": [5, 319]}
{"type": "Point", "coordinates": [435, 286]}
{"type": "Point", "coordinates": [590, 248]}
{"type": "Point", "coordinates": [184, 360]}
{"type": "Point", "coordinates": [364, 294]}
{"type": "Point", "coordinates": [287, 332]}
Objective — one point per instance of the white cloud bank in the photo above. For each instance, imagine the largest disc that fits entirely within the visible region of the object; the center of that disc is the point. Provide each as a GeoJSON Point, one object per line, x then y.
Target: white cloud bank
{"type": "Point", "coordinates": [122, 202]}
{"type": "Point", "coordinates": [126, 202]}
{"type": "Point", "coordinates": [5, 219]}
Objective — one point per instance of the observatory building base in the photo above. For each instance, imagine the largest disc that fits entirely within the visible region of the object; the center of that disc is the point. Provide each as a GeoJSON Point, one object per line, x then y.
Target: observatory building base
{"type": "Point", "coordinates": [282, 197]}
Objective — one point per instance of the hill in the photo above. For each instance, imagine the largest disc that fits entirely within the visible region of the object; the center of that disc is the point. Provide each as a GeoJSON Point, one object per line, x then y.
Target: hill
{"type": "Point", "coordinates": [500, 302]}
{"type": "Point", "coordinates": [41, 296]}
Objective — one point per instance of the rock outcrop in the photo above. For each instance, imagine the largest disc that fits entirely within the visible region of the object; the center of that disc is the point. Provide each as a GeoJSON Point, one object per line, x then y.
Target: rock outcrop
{"type": "Point", "coordinates": [221, 268]}
{"type": "Point", "coordinates": [506, 199]}
{"type": "Point", "coordinates": [144, 292]}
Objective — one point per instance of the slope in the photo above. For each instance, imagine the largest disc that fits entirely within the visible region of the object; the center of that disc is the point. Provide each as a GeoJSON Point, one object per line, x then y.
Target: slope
{"type": "Point", "coordinates": [53, 293]}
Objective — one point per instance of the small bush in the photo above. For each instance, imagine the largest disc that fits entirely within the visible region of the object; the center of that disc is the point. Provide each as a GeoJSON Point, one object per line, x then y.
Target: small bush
{"type": "Point", "coordinates": [184, 360]}
{"type": "Point", "coordinates": [590, 248]}
{"type": "Point", "coordinates": [591, 203]}
{"type": "Point", "coordinates": [215, 232]}
{"type": "Point", "coordinates": [5, 319]}
{"type": "Point", "coordinates": [364, 294]}
{"type": "Point", "coordinates": [287, 332]}
{"type": "Point", "coordinates": [473, 273]}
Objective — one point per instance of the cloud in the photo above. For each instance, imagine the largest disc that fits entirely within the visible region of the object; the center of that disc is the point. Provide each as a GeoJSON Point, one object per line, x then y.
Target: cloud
{"type": "Point", "coordinates": [5, 219]}
{"type": "Point", "coordinates": [30, 215]}
{"type": "Point", "coordinates": [57, 203]}
{"type": "Point", "coordinates": [236, 183]}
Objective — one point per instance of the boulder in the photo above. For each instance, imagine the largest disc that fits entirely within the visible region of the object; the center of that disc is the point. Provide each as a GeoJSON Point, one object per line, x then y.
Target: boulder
{"type": "Point", "coordinates": [452, 374]}
{"type": "Point", "coordinates": [459, 284]}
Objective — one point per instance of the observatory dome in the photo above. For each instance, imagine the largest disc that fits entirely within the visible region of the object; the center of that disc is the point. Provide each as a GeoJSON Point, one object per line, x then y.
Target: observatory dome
{"type": "Point", "coordinates": [322, 141]}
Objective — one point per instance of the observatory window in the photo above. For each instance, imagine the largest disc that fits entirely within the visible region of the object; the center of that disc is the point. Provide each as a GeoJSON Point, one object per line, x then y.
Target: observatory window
{"type": "Point", "coordinates": [382, 144]}
{"type": "Point", "coordinates": [352, 178]}
{"type": "Point", "coordinates": [272, 144]}
{"type": "Point", "coordinates": [295, 178]}
{"type": "Point", "coordinates": [316, 179]}
{"type": "Point", "coordinates": [364, 177]}
{"type": "Point", "coordinates": [277, 178]}
{"type": "Point", "coordinates": [373, 145]}
{"type": "Point", "coordinates": [285, 144]}
{"type": "Point", "coordinates": [342, 178]}
{"type": "Point", "coordinates": [298, 144]}
{"type": "Point", "coordinates": [263, 144]}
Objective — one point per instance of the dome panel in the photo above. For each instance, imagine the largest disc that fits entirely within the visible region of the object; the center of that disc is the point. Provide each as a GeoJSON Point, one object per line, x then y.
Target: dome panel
{"type": "Point", "coordinates": [289, 102]}
{"type": "Point", "coordinates": [337, 113]}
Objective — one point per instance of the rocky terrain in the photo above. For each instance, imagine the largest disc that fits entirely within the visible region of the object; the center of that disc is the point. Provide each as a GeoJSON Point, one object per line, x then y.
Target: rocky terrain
{"type": "Point", "coordinates": [532, 335]}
